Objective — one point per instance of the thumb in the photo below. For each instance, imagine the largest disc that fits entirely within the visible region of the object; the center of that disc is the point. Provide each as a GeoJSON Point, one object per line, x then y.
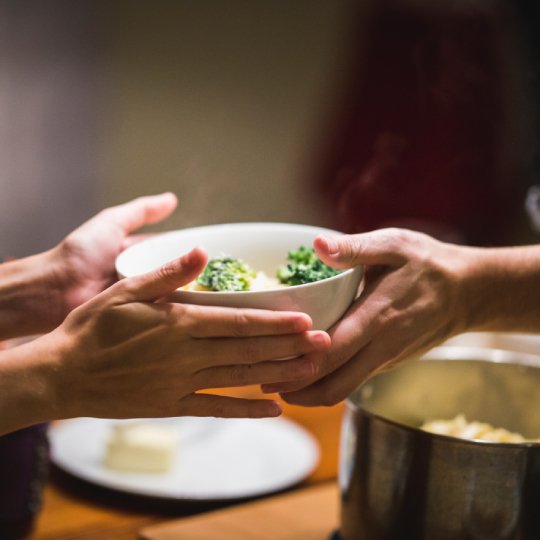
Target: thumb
{"type": "Point", "coordinates": [143, 211]}
{"type": "Point", "coordinates": [166, 279]}
{"type": "Point", "coordinates": [350, 250]}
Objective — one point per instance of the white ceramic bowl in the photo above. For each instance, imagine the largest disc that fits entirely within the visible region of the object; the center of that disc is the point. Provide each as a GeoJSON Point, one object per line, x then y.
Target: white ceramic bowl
{"type": "Point", "coordinates": [264, 246]}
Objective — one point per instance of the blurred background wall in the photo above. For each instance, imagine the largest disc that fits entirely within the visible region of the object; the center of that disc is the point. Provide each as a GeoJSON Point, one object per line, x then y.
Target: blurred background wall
{"type": "Point", "coordinates": [50, 106]}
{"type": "Point", "coordinates": [353, 114]}
{"type": "Point", "coordinates": [219, 102]}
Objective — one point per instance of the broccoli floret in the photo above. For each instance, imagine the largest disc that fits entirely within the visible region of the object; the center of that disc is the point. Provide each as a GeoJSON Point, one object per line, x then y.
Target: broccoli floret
{"type": "Point", "coordinates": [306, 267]}
{"type": "Point", "coordinates": [226, 274]}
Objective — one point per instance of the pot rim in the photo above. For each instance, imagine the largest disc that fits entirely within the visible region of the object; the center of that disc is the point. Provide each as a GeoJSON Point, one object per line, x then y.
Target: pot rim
{"type": "Point", "coordinates": [481, 354]}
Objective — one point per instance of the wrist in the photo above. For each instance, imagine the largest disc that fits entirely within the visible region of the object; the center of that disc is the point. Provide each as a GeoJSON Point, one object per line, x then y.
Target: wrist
{"type": "Point", "coordinates": [455, 261]}
{"type": "Point", "coordinates": [27, 394]}
{"type": "Point", "coordinates": [501, 289]}
{"type": "Point", "coordinates": [53, 353]}
{"type": "Point", "coordinates": [472, 277]}
{"type": "Point", "coordinates": [31, 296]}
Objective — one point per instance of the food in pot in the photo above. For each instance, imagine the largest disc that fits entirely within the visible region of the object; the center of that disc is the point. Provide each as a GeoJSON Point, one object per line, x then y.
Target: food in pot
{"type": "Point", "coordinates": [459, 427]}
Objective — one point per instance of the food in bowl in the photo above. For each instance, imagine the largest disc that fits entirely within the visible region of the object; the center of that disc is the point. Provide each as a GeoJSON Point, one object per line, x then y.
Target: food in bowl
{"type": "Point", "coordinates": [225, 273]}
{"type": "Point", "coordinates": [479, 431]}
{"type": "Point", "coordinates": [264, 246]}
{"type": "Point", "coordinates": [305, 267]}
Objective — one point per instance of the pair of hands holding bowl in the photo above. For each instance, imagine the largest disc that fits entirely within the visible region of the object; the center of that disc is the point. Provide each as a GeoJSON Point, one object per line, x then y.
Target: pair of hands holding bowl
{"type": "Point", "coordinates": [117, 349]}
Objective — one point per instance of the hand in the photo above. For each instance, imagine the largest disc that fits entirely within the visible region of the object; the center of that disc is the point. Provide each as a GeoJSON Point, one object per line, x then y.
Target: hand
{"type": "Point", "coordinates": [37, 292]}
{"type": "Point", "coordinates": [411, 302]}
{"type": "Point", "coordinates": [127, 353]}
{"type": "Point", "coordinates": [86, 258]}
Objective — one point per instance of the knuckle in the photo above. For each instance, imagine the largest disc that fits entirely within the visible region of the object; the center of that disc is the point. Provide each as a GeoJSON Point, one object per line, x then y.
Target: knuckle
{"type": "Point", "coordinates": [352, 247]}
{"type": "Point", "coordinates": [250, 351]}
{"type": "Point", "coordinates": [126, 287]}
{"type": "Point", "coordinates": [238, 376]}
{"type": "Point", "coordinates": [167, 273]}
{"type": "Point", "coordinates": [396, 239]}
{"type": "Point", "coordinates": [240, 324]}
{"type": "Point", "coordinates": [189, 317]}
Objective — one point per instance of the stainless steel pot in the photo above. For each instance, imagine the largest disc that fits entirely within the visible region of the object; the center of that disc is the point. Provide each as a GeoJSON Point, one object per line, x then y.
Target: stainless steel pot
{"type": "Point", "coordinates": [399, 482]}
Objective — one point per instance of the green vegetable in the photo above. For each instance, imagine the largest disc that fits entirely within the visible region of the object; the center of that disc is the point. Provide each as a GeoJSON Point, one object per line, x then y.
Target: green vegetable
{"type": "Point", "coordinates": [226, 274]}
{"type": "Point", "coordinates": [306, 267]}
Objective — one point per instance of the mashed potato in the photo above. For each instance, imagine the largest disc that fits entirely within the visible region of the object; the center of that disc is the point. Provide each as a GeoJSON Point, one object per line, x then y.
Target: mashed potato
{"type": "Point", "coordinates": [459, 427]}
{"type": "Point", "coordinates": [263, 282]}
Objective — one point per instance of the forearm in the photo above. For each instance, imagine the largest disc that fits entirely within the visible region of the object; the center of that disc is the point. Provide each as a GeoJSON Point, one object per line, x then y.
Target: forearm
{"type": "Point", "coordinates": [27, 395]}
{"type": "Point", "coordinates": [31, 298]}
{"type": "Point", "coordinates": [501, 289]}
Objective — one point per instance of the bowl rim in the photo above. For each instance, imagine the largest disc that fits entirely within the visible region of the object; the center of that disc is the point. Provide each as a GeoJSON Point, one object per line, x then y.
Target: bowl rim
{"type": "Point", "coordinates": [262, 224]}
{"type": "Point", "coordinates": [459, 353]}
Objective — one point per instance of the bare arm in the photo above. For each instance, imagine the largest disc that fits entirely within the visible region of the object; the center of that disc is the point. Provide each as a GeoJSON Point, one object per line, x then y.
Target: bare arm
{"type": "Point", "coordinates": [502, 288]}
{"type": "Point", "coordinates": [418, 293]}
{"type": "Point", "coordinates": [31, 296]}
{"type": "Point", "coordinates": [115, 350]}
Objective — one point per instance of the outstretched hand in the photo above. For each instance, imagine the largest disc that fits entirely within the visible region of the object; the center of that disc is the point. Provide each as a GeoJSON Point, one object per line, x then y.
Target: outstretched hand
{"type": "Point", "coordinates": [86, 258]}
{"type": "Point", "coordinates": [126, 354]}
{"type": "Point", "coordinates": [410, 303]}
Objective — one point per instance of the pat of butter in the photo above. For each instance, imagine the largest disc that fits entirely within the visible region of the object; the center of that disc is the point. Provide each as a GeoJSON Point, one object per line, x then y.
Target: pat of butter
{"type": "Point", "coordinates": [141, 447]}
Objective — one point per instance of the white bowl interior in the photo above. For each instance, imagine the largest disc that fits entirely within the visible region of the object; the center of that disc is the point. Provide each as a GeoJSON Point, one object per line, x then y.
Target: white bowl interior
{"type": "Point", "coordinates": [264, 246]}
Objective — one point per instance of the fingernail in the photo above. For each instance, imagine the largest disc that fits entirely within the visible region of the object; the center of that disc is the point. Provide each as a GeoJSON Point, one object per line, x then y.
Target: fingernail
{"type": "Point", "coordinates": [276, 409]}
{"type": "Point", "coordinates": [269, 389]}
{"type": "Point", "coordinates": [301, 321]}
{"type": "Point", "coordinates": [166, 195]}
{"type": "Point", "coordinates": [319, 338]}
{"type": "Point", "coordinates": [332, 245]}
{"type": "Point", "coordinates": [193, 256]}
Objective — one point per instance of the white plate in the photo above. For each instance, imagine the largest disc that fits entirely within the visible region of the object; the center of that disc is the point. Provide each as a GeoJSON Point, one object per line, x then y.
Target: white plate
{"type": "Point", "coordinates": [215, 458]}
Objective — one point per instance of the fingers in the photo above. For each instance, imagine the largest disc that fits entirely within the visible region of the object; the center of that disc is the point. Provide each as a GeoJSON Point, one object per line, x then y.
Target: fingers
{"type": "Point", "coordinates": [252, 350]}
{"type": "Point", "coordinates": [211, 322]}
{"type": "Point", "coordinates": [348, 336]}
{"type": "Point", "coordinates": [338, 385]}
{"type": "Point", "coordinates": [164, 280]}
{"type": "Point", "coordinates": [248, 374]}
{"type": "Point", "coordinates": [228, 407]}
{"type": "Point", "coordinates": [374, 248]}
{"type": "Point", "coordinates": [142, 211]}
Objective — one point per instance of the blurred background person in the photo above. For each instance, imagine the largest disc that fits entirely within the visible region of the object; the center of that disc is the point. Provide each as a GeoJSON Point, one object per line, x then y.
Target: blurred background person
{"type": "Point", "coordinates": [220, 103]}
{"type": "Point", "coordinates": [353, 115]}
{"type": "Point", "coordinates": [439, 128]}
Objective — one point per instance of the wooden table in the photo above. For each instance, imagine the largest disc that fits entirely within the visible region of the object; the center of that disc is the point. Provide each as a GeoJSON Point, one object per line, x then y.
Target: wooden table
{"type": "Point", "coordinates": [69, 515]}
